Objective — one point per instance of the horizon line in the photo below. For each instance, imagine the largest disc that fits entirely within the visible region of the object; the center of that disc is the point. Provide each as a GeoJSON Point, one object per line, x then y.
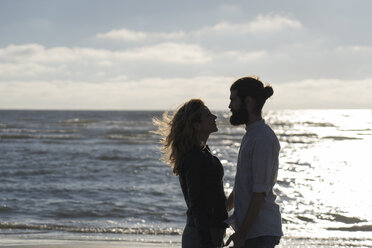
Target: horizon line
{"type": "Point", "coordinates": [153, 110]}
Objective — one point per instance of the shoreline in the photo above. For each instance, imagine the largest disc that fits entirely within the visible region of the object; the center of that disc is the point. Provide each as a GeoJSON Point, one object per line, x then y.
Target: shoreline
{"type": "Point", "coordinates": [287, 242]}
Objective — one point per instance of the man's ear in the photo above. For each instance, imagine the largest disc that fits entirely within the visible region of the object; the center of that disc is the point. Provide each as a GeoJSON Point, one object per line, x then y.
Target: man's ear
{"type": "Point", "coordinates": [249, 102]}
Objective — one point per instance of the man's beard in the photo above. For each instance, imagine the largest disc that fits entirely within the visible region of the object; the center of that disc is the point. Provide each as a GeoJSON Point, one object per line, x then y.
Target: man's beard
{"type": "Point", "coordinates": [240, 116]}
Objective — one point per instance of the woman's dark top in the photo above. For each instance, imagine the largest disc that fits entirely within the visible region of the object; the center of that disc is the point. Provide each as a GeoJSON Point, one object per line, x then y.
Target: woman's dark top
{"type": "Point", "coordinates": [201, 179]}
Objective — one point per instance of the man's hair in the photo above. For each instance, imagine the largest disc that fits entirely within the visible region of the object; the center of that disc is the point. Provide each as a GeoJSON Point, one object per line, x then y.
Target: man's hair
{"type": "Point", "coordinates": [253, 87]}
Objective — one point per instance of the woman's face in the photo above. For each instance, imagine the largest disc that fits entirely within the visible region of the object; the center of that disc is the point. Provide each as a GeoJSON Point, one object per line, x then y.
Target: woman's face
{"type": "Point", "coordinates": [207, 124]}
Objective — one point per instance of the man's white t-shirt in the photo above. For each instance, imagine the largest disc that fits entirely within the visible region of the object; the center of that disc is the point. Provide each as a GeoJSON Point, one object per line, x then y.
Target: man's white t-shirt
{"type": "Point", "coordinates": [257, 171]}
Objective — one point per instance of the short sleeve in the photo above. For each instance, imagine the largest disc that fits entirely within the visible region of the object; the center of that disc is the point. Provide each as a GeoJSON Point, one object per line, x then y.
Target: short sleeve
{"type": "Point", "coordinates": [263, 164]}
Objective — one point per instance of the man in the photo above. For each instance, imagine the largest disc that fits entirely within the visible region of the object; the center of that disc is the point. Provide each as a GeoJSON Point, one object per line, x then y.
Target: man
{"type": "Point", "coordinates": [256, 216]}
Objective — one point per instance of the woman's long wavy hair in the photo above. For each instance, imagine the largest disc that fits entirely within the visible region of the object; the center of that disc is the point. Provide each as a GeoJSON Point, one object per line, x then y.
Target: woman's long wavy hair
{"type": "Point", "coordinates": [178, 133]}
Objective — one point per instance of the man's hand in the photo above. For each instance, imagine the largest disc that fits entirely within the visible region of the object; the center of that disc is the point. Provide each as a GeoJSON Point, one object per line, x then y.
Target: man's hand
{"type": "Point", "coordinates": [230, 201]}
{"type": "Point", "coordinates": [238, 240]}
{"type": "Point", "coordinates": [254, 207]}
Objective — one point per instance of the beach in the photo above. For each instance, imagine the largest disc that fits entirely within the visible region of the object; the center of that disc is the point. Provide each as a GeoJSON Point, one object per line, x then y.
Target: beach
{"type": "Point", "coordinates": [82, 244]}
{"type": "Point", "coordinates": [288, 242]}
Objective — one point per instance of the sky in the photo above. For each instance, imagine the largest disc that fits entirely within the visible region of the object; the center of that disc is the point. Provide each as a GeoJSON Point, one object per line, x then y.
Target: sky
{"type": "Point", "coordinates": [155, 55]}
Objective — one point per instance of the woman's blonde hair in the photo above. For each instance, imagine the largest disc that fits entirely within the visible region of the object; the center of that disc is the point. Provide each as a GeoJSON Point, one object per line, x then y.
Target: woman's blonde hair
{"type": "Point", "coordinates": [178, 133]}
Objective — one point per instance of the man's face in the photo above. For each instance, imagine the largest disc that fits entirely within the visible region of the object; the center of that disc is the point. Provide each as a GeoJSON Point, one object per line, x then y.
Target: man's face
{"type": "Point", "coordinates": [237, 107]}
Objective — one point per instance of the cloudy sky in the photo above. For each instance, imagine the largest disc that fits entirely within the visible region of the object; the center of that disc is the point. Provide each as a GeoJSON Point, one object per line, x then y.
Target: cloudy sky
{"type": "Point", "coordinates": [90, 54]}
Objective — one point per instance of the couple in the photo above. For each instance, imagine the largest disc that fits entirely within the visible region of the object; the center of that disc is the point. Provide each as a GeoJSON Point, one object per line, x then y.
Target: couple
{"type": "Point", "coordinates": [256, 219]}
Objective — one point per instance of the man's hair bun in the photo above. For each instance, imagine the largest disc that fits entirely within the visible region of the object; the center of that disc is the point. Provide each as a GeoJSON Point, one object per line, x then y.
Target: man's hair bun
{"type": "Point", "coordinates": [268, 91]}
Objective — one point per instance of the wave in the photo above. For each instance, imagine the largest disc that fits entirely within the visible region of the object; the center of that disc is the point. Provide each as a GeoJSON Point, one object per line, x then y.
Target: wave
{"type": "Point", "coordinates": [317, 124]}
{"type": "Point", "coordinates": [5, 209]}
{"type": "Point", "coordinates": [355, 228]}
{"type": "Point", "coordinates": [132, 139]}
{"type": "Point", "coordinates": [310, 135]}
{"type": "Point", "coordinates": [332, 218]}
{"type": "Point", "coordinates": [341, 138]}
{"type": "Point", "coordinates": [346, 219]}
{"type": "Point", "coordinates": [18, 130]}
{"type": "Point", "coordinates": [340, 218]}
{"type": "Point", "coordinates": [305, 123]}
{"type": "Point", "coordinates": [16, 136]}
{"type": "Point", "coordinates": [306, 219]}
{"type": "Point", "coordinates": [106, 230]}
{"type": "Point", "coordinates": [301, 138]}
{"type": "Point", "coordinates": [357, 130]}
{"type": "Point", "coordinates": [75, 121]}
{"type": "Point", "coordinates": [28, 136]}
{"type": "Point", "coordinates": [119, 158]}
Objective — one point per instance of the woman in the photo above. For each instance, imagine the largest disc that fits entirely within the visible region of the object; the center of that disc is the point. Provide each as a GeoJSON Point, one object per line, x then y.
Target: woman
{"type": "Point", "coordinates": [185, 149]}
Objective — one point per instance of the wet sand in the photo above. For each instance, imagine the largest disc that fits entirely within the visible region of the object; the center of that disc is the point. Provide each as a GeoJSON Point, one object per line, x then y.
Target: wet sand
{"type": "Point", "coordinates": [288, 242]}
{"type": "Point", "coordinates": [80, 244]}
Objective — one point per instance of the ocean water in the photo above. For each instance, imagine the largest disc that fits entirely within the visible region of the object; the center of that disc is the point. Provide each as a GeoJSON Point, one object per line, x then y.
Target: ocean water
{"type": "Point", "coordinates": [96, 175]}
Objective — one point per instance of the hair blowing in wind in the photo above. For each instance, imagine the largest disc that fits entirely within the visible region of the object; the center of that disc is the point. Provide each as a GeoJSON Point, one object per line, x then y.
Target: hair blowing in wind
{"type": "Point", "coordinates": [178, 135]}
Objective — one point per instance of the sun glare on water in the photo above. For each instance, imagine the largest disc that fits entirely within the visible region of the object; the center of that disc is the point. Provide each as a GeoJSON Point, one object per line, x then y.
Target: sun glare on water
{"type": "Point", "coordinates": [324, 180]}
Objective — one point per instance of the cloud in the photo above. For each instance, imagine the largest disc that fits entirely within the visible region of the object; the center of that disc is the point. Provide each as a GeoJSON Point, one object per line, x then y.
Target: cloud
{"type": "Point", "coordinates": [169, 52]}
{"type": "Point", "coordinates": [324, 93]}
{"type": "Point", "coordinates": [135, 36]}
{"type": "Point", "coordinates": [121, 93]}
{"type": "Point", "coordinates": [229, 9]}
{"type": "Point", "coordinates": [38, 53]}
{"type": "Point", "coordinates": [25, 69]}
{"type": "Point", "coordinates": [123, 34]}
{"type": "Point", "coordinates": [164, 52]}
{"type": "Point", "coordinates": [263, 24]}
{"type": "Point", "coordinates": [272, 23]}
{"type": "Point", "coordinates": [356, 48]}
{"type": "Point", "coordinates": [34, 61]}
{"type": "Point", "coordinates": [168, 93]}
{"type": "Point", "coordinates": [244, 56]}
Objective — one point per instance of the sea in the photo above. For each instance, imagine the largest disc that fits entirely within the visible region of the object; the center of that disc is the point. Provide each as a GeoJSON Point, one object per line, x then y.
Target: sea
{"type": "Point", "coordinates": [97, 175]}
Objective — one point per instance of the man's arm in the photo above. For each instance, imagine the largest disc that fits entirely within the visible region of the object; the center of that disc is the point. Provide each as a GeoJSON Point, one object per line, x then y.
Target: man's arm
{"type": "Point", "coordinates": [254, 208]}
{"type": "Point", "coordinates": [230, 201]}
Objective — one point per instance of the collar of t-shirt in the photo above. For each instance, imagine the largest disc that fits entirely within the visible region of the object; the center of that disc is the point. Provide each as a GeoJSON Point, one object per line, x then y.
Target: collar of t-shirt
{"type": "Point", "coordinates": [254, 125]}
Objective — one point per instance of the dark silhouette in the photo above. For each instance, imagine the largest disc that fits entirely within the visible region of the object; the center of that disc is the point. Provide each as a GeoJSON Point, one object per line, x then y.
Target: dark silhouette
{"type": "Point", "coordinates": [256, 219]}
{"type": "Point", "coordinates": [185, 149]}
